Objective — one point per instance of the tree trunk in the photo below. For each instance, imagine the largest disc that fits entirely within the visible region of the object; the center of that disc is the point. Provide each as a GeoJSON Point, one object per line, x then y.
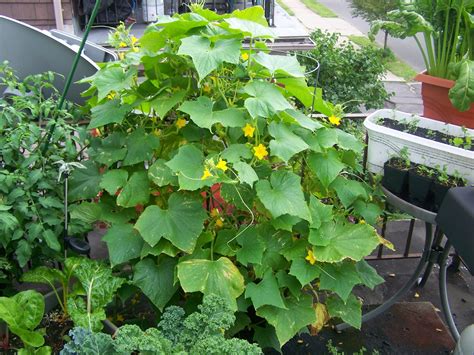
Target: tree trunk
{"type": "Point", "coordinates": [385, 41]}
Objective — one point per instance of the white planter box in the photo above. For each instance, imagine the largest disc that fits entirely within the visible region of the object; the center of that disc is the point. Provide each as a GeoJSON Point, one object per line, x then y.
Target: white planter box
{"type": "Point", "coordinates": [386, 142]}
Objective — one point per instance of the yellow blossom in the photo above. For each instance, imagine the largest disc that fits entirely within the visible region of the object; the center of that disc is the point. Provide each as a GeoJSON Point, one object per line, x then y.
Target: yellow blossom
{"type": "Point", "coordinates": [222, 164]}
{"type": "Point", "coordinates": [214, 212]}
{"type": "Point", "coordinates": [122, 44]}
{"type": "Point", "coordinates": [206, 174]}
{"type": "Point", "coordinates": [157, 132]}
{"type": "Point", "coordinates": [121, 55]}
{"type": "Point", "coordinates": [362, 221]}
{"type": "Point", "coordinates": [260, 151]}
{"type": "Point", "coordinates": [120, 318]}
{"type": "Point", "coordinates": [219, 223]}
{"type": "Point", "coordinates": [335, 120]}
{"type": "Point", "coordinates": [206, 88]}
{"type": "Point", "coordinates": [248, 130]}
{"type": "Point", "coordinates": [111, 95]}
{"type": "Point", "coordinates": [181, 122]}
{"type": "Point", "coordinates": [133, 39]}
{"type": "Point", "coordinates": [244, 56]}
{"type": "Point", "coordinates": [310, 257]}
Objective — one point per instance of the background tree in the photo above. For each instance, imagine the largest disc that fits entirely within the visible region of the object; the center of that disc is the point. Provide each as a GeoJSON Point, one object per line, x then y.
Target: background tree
{"type": "Point", "coordinates": [371, 10]}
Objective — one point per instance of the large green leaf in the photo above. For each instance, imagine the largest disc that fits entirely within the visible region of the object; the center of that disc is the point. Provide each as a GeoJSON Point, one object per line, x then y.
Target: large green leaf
{"type": "Point", "coordinates": [337, 241]}
{"type": "Point", "coordinates": [350, 311]}
{"type": "Point", "coordinates": [320, 212]}
{"type": "Point", "coordinates": [368, 275]}
{"type": "Point", "coordinates": [161, 174]}
{"type": "Point", "coordinates": [462, 93]}
{"type": "Point", "coordinates": [286, 144]}
{"type": "Point", "coordinates": [113, 180]}
{"type": "Point", "coordinates": [235, 152]}
{"type": "Point", "coordinates": [165, 102]}
{"type": "Point", "coordinates": [280, 64]}
{"type": "Point", "coordinates": [200, 112]}
{"type": "Point", "coordinates": [283, 195]}
{"type": "Point", "coordinates": [44, 275]}
{"type": "Point", "coordinates": [250, 28]}
{"type": "Point", "coordinates": [156, 280]}
{"type": "Point", "coordinates": [140, 146]}
{"type": "Point", "coordinates": [97, 281]}
{"type": "Point", "coordinates": [401, 24]}
{"type": "Point", "coordinates": [245, 173]}
{"type": "Point", "coordinates": [123, 242]}
{"type": "Point", "coordinates": [209, 56]}
{"type": "Point", "coordinates": [369, 211]}
{"type": "Point", "coordinates": [349, 190]}
{"type": "Point", "coordinates": [326, 166]}
{"type": "Point", "coordinates": [82, 318]}
{"type": "Point", "coordinates": [265, 99]}
{"type": "Point", "coordinates": [220, 277]}
{"type": "Point", "coordinates": [288, 322]}
{"type": "Point", "coordinates": [109, 149]}
{"type": "Point", "coordinates": [265, 293]}
{"type": "Point", "coordinates": [339, 278]}
{"type": "Point", "coordinates": [188, 164]}
{"type": "Point", "coordinates": [252, 246]}
{"type": "Point", "coordinates": [84, 183]}
{"type": "Point", "coordinates": [23, 313]}
{"type": "Point", "coordinates": [113, 78]}
{"type": "Point", "coordinates": [112, 111]}
{"type": "Point", "coordinates": [304, 271]}
{"type": "Point", "coordinates": [181, 223]}
{"type": "Point", "coordinates": [301, 119]}
{"type": "Point", "coordinates": [136, 190]}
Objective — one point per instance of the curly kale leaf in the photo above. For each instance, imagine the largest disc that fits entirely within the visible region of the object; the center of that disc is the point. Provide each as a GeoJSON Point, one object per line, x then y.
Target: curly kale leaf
{"type": "Point", "coordinates": [85, 342]}
{"type": "Point", "coordinates": [171, 323]}
{"type": "Point", "coordinates": [131, 339]}
{"type": "Point", "coordinates": [216, 345]}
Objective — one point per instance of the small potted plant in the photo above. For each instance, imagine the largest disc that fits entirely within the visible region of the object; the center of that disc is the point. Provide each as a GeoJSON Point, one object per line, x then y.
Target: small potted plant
{"type": "Point", "coordinates": [442, 183]}
{"type": "Point", "coordinates": [448, 53]}
{"type": "Point", "coordinates": [420, 179]}
{"type": "Point", "coordinates": [395, 177]}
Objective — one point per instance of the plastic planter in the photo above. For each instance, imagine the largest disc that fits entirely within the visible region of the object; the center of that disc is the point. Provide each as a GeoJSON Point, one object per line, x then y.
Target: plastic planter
{"type": "Point", "coordinates": [419, 188]}
{"type": "Point", "coordinates": [395, 179]}
{"type": "Point", "coordinates": [385, 142]}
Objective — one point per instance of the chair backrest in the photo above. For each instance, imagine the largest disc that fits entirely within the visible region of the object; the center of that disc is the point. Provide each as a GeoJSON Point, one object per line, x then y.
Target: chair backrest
{"type": "Point", "coordinates": [456, 220]}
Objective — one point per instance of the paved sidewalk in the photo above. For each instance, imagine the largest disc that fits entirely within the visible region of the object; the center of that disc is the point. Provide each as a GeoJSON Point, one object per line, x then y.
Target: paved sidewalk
{"type": "Point", "coordinates": [406, 95]}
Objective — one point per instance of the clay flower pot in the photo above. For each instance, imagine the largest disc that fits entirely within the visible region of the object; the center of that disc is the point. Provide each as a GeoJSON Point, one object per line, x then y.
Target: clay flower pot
{"type": "Point", "coordinates": [436, 103]}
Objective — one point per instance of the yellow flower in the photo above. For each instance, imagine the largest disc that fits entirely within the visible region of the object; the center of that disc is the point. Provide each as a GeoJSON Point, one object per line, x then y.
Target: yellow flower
{"type": "Point", "coordinates": [310, 257]}
{"type": "Point", "coordinates": [244, 56]}
{"type": "Point", "coordinates": [157, 132]}
{"type": "Point", "coordinates": [181, 122]}
{"type": "Point", "coordinates": [260, 151]}
{"type": "Point", "coordinates": [122, 44]}
{"type": "Point", "coordinates": [206, 174]}
{"type": "Point", "coordinates": [206, 88]}
{"type": "Point", "coordinates": [120, 318]}
{"type": "Point", "coordinates": [335, 120]}
{"type": "Point", "coordinates": [222, 164]}
{"type": "Point", "coordinates": [135, 49]}
{"type": "Point", "coordinates": [133, 39]}
{"type": "Point", "coordinates": [219, 223]}
{"type": "Point", "coordinates": [362, 221]}
{"type": "Point", "coordinates": [121, 55]}
{"type": "Point", "coordinates": [248, 130]}
{"type": "Point", "coordinates": [214, 212]}
{"type": "Point", "coordinates": [111, 95]}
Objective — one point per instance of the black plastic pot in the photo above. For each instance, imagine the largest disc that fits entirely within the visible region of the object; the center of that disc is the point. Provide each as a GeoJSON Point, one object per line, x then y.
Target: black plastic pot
{"type": "Point", "coordinates": [419, 187]}
{"type": "Point", "coordinates": [395, 179]}
{"type": "Point", "coordinates": [439, 191]}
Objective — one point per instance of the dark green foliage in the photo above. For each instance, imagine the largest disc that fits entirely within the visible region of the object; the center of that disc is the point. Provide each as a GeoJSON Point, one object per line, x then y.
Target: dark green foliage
{"type": "Point", "coordinates": [348, 76]}
{"type": "Point", "coordinates": [371, 10]}
{"type": "Point", "coordinates": [201, 332]}
{"type": "Point", "coordinates": [31, 198]}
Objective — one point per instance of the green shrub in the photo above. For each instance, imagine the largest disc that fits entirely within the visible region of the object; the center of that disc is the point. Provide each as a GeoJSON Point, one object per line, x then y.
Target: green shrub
{"type": "Point", "coordinates": [348, 75]}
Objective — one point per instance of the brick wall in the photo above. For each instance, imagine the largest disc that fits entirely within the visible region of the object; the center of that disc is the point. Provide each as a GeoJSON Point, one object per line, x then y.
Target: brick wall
{"type": "Point", "coordinates": [39, 13]}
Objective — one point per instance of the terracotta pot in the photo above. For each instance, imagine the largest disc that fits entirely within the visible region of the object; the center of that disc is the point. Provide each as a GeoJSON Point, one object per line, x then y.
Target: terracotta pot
{"type": "Point", "coordinates": [436, 103]}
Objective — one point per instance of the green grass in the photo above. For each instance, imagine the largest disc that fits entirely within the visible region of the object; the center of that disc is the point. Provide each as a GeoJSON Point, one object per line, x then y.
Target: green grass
{"type": "Point", "coordinates": [392, 63]}
{"type": "Point", "coordinates": [286, 7]}
{"type": "Point", "coordinates": [318, 8]}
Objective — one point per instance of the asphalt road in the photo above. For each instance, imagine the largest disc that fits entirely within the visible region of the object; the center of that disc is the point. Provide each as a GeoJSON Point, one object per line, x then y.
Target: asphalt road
{"type": "Point", "coordinates": [406, 49]}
